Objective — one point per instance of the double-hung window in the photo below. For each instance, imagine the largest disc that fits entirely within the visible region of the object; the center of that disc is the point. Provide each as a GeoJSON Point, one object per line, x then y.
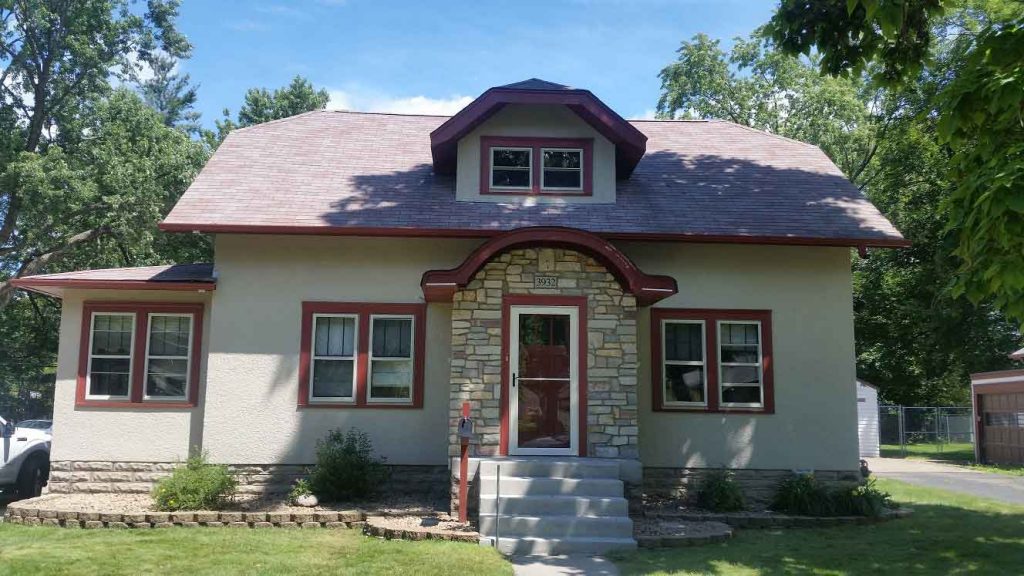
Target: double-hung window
{"type": "Point", "coordinates": [139, 353]}
{"type": "Point", "coordinates": [361, 355]}
{"type": "Point", "coordinates": [112, 341]}
{"type": "Point", "coordinates": [712, 360]}
{"type": "Point", "coordinates": [333, 369]}
{"type": "Point", "coordinates": [684, 374]}
{"type": "Point", "coordinates": [739, 361]}
{"type": "Point", "coordinates": [517, 165]}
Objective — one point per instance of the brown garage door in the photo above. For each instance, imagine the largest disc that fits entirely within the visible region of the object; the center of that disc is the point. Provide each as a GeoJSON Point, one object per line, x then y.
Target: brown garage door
{"type": "Point", "coordinates": [1002, 421]}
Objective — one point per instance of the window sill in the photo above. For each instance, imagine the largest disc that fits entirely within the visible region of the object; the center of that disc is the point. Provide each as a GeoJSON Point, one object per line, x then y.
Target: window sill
{"type": "Point", "coordinates": [146, 405]}
{"type": "Point", "coordinates": [366, 405]}
{"type": "Point", "coordinates": [717, 410]}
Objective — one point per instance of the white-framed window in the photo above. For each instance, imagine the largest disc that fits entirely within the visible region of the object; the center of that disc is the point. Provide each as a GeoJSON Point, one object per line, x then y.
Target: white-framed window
{"type": "Point", "coordinates": [740, 364]}
{"type": "Point", "coordinates": [168, 356]}
{"type": "Point", "coordinates": [562, 169]}
{"type": "Point", "coordinates": [332, 374]}
{"type": "Point", "coordinates": [511, 168]}
{"type": "Point", "coordinates": [684, 370]}
{"type": "Point", "coordinates": [390, 374]}
{"type": "Point", "coordinates": [111, 346]}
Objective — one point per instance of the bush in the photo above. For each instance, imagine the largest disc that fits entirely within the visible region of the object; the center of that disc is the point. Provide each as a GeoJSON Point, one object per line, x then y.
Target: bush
{"type": "Point", "coordinates": [803, 495]}
{"type": "Point", "coordinates": [299, 489]}
{"type": "Point", "coordinates": [198, 485]}
{"type": "Point", "coordinates": [719, 492]}
{"type": "Point", "coordinates": [346, 468]}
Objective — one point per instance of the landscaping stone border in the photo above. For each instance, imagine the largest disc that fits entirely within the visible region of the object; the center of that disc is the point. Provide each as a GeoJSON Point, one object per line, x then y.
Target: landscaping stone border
{"type": "Point", "coordinates": [36, 516]}
{"type": "Point", "coordinates": [374, 527]}
{"type": "Point", "coordinates": [772, 520]}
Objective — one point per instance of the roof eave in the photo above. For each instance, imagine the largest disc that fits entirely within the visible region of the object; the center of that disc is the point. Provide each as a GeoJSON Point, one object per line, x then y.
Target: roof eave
{"type": "Point", "coordinates": [55, 287]}
{"type": "Point", "coordinates": [408, 232]}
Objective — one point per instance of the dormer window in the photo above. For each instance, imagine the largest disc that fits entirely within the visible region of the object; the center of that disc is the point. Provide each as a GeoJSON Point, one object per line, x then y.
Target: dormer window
{"type": "Point", "coordinates": [548, 166]}
{"type": "Point", "coordinates": [512, 168]}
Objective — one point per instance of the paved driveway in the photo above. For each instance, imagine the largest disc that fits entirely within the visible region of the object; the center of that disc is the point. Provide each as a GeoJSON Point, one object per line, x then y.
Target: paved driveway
{"type": "Point", "coordinates": [1000, 487]}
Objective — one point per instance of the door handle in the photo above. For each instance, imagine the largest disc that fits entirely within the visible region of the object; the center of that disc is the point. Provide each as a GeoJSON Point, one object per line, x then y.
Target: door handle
{"type": "Point", "coordinates": [513, 379]}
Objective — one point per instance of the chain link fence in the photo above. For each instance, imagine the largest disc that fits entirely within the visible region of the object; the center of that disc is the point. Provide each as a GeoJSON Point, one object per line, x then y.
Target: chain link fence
{"type": "Point", "coordinates": [939, 432]}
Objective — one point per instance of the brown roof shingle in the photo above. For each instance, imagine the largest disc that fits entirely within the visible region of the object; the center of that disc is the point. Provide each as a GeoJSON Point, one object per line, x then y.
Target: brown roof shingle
{"type": "Point", "coordinates": [332, 172]}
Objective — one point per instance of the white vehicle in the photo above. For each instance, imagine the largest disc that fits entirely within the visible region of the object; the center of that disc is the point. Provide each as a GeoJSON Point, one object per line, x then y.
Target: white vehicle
{"type": "Point", "coordinates": [25, 456]}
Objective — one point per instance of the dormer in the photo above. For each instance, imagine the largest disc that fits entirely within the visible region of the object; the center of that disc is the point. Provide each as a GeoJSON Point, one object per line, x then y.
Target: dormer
{"type": "Point", "coordinates": [536, 141]}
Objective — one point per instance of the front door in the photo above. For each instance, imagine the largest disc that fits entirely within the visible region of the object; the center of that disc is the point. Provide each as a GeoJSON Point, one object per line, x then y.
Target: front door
{"type": "Point", "coordinates": [544, 376]}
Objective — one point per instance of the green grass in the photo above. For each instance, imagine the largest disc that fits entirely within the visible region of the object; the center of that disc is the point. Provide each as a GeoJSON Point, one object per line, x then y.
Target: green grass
{"type": "Point", "coordinates": [202, 551]}
{"type": "Point", "coordinates": [960, 454]}
{"type": "Point", "coordinates": [947, 534]}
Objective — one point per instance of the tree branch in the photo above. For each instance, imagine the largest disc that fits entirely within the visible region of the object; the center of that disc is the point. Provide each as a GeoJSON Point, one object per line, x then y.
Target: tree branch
{"type": "Point", "coordinates": [33, 265]}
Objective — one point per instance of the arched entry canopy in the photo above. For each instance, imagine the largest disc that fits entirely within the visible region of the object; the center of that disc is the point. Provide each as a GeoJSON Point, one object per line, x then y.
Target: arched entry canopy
{"type": "Point", "coordinates": [441, 285]}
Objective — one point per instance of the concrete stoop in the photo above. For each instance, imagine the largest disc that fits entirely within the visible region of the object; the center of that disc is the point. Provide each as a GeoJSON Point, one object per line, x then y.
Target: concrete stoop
{"type": "Point", "coordinates": [551, 506]}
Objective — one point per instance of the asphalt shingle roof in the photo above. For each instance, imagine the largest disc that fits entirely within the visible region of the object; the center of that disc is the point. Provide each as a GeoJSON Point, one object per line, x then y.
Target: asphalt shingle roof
{"type": "Point", "coordinates": [331, 172]}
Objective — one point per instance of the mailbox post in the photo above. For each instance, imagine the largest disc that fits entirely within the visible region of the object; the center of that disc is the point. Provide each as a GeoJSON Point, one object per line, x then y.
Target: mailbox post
{"type": "Point", "coordinates": [465, 433]}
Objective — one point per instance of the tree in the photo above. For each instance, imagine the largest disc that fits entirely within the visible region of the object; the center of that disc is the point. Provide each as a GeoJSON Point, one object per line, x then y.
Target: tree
{"type": "Point", "coordinates": [58, 58]}
{"type": "Point", "coordinates": [915, 338]}
{"type": "Point", "coordinates": [171, 94]}
{"type": "Point", "coordinates": [768, 90]}
{"type": "Point", "coordinates": [263, 106]}
{"type": "Point", "coordinates": [979, 106]}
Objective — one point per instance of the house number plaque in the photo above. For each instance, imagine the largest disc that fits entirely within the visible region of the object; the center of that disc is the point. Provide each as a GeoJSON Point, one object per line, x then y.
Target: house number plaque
{"type": "Point", "coordinates": [545, 281]}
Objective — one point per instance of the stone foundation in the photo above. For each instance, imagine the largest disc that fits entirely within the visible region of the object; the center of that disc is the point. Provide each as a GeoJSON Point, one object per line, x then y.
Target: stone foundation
{"type": "Point", "coordinates": [759, 486]}
{"type": "Point", "coordinates": [428, 482]}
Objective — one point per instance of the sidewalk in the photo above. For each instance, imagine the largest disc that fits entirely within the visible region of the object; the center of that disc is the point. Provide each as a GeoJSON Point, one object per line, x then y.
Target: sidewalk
{"type": "Point", "coordinates": [563, 565]}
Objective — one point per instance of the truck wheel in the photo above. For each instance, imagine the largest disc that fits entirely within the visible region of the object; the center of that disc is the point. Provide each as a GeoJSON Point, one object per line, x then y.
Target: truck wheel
{"type": "Point", "coordinates": [33, 476]}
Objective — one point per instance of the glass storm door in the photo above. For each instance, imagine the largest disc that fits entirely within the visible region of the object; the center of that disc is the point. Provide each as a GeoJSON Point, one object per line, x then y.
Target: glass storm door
{"type": "Point", "coordinates": [544, 391]}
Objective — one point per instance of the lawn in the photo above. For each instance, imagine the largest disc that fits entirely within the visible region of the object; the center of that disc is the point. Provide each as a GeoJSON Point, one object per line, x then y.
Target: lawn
{"type": "Point", "coordinates": [961, 454]}
{"type": "Point", "coordinates": [947, 534]}
{"type": "Point", "coordinates": [199, 551]}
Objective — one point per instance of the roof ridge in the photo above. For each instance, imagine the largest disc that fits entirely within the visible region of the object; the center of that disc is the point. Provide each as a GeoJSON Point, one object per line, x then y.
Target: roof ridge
{"type": "Point", "coordinates": [669, 120]}
{"type": "Point", "coordinates": [766, 133]}
{"type": "Point", "coordinates": [375, 113]}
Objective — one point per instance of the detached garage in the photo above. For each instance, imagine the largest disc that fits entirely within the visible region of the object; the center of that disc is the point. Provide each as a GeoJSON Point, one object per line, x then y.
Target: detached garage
{"type": "Point", "coordinates": [867, 419]}
{"type": "Point", "coordinates": [998, 399]}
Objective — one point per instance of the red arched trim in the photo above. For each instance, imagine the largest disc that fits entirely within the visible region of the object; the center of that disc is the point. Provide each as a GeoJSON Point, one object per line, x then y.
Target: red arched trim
{"type": "Point", "coordinates": [441, 285]}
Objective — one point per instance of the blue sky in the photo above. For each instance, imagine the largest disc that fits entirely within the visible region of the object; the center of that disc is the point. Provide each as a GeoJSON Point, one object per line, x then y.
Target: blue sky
{"type": "Point", "coordinates": [434, 56]}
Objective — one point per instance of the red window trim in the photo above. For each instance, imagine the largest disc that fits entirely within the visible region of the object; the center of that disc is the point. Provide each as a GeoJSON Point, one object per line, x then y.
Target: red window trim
{"type": "Point", "coordinates": [363, 311]}
{"type": "Point", "coordinates": [711, 317]}
{"type": "Point", "coordinates": [535, 144]}
{"type": "Point", "coordinates": [142, 310]}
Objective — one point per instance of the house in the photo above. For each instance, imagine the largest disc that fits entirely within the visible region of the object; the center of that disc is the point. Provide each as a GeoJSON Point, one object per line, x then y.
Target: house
{"type": "Point", "coordinates": [637, 300]}
{"type": "Point", "coordinates": [867, 419]}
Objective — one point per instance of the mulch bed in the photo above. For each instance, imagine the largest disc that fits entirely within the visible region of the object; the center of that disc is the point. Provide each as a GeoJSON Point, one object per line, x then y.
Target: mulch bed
{"type": "Point", "coordinates": [665, 533]}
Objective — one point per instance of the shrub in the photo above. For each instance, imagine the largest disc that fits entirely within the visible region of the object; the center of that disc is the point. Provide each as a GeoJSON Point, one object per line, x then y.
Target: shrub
{"type": "Point", "coordinates": [198, 485]}
{"type": "Point", "coordinates": [299, 489]}
{"type": "Point", "coordinates": [803, 495]}
{"type": "Point", "coordinates": [346, 467]}
{"type": "Point", "coordinates": [719, 492]}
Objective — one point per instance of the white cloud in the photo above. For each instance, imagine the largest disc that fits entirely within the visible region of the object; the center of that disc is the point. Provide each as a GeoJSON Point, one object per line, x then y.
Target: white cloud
{"type": "Point", "coordinates": [648, 114]}
{"type": "Point", "coordinates": [370, 101]}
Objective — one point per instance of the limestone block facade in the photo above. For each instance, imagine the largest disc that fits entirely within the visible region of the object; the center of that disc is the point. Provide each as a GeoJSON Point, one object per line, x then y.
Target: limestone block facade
{"type": "Point", "coordinates": [611, 347]}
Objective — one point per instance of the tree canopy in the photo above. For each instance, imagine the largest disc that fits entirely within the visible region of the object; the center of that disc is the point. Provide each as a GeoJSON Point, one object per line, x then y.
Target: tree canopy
{"type": "Point", "coordinates": [980, 107]}
{"type": "Point", "coordinates": [916, 338]}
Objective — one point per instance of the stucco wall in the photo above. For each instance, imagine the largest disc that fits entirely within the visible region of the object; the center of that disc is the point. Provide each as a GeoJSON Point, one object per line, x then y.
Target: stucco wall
{"type": "Point", "coordinates": [251, 404]}
{"type": "Point", "coordinates": [810, 295]}
{"type": "Point", "coordinates": [548, 121]}
{"type": "Point", "coordinates": [118, 434]}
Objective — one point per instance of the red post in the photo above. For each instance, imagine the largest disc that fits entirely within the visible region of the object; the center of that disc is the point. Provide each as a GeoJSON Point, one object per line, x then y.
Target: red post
{"type": "Point", "coordinates": [464, 473]}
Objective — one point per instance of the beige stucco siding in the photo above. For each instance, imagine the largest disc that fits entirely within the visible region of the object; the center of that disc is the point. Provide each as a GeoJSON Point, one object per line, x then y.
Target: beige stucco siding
{"type": "Point", "coordinates": [548, 121]}
{"type": "Point", "coordinates": [117, 434]}
{"type": "Point", "coordinates": [808, 291]}
{"type": "Point", "coordinates": [251, 405]}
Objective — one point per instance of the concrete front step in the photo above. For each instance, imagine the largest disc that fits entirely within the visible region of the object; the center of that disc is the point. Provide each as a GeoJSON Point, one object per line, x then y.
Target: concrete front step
{"type": "Point", "coordinates": [555, 505]}
{"type": "Point", "coordinates": [557, 527]}
{"type": "Point", "coordinates": [557, 547]}
{"type": "Point", "coordinates": [519, 486]}
{"type": "Point", "coordinates": [538, 467]}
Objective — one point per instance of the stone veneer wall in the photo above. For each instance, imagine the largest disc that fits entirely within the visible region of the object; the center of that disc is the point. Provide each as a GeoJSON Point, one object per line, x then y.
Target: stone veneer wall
{"type": "Point", "coordinates": [140, 477]}
{"type": "Point", "coordinates": [759, 486]}
{"type": "Point", "coordinates": [611, 347]}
